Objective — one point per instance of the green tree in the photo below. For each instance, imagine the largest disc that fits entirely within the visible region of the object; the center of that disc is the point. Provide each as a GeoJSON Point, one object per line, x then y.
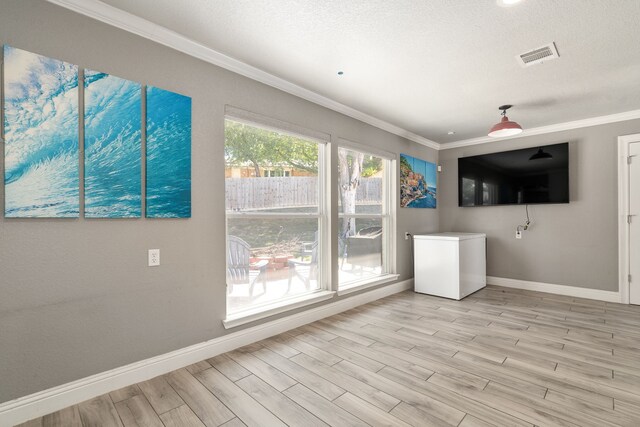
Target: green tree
{"type": "Point", "coordinates": [370, 166]}
{"type": "Point", "coordinates": [245, 144]}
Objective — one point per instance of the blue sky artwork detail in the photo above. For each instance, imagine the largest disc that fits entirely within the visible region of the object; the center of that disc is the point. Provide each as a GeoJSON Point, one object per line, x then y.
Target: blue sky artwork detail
{"type": "Point", "coordinates": [417, 183]}
{"type": "Point", "coordinates": [41, 168]}
{"type": "Point", "coordinates": [112, 146]}
{"type": "Point", "coordinates": [168, 154]}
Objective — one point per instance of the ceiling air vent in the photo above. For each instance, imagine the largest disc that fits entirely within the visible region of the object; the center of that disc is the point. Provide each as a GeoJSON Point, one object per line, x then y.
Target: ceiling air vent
{"type": "Point", "coordinates": [539, 55]}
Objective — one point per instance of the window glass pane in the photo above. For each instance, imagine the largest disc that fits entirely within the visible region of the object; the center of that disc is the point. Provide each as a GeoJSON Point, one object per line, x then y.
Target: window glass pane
{"type": "Point", "coordinates": [489, 194]}
{"type": "Point", "coordinates": [268, 171]}
{"type": "Point", "coordinates": [270, 259]}
{"type": "Point", "coordinates": [360, 249]}
{"type": "Point", "coordinates": [360, 181]}
{"type": "Point", "coordinates": [468, 192]}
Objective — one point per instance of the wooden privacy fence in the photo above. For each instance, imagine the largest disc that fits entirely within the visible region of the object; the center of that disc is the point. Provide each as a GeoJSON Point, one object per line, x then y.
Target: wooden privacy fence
{"type": "Point", "coordinates": [369, 191]}
{"type": "Point", "coordinates": [287, 192]}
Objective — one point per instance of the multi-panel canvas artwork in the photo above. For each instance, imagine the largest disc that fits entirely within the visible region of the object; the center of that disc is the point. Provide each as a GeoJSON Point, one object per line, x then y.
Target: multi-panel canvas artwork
{"type": "Point", "coordinates": [417, 183]}
{"type": "Point", "coordinates": [41, 151]}
{"type": "Point", "coordinates": [168, 164]}
{"type": "Point", "coordinates": [112, 146]}
{"type": "Point", "coordinates": [41, 167]}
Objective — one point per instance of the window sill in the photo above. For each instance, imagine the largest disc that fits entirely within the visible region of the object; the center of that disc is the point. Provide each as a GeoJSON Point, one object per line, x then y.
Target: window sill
{"type": "Point", "coordinates": [365, 284]}
{"type": "Point", "coordinates": [249, 316]}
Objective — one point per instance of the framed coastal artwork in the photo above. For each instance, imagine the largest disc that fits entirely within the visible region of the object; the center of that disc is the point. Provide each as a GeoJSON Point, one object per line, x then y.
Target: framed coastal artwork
{"type": "Point", "coordinates": [168, 161]}
{"type": "Point", "coordinates": [417, 183]}
{"type": "Point", "coordinates": [112, 146]}
{"type": "Point", "coordinates": [41, 166]}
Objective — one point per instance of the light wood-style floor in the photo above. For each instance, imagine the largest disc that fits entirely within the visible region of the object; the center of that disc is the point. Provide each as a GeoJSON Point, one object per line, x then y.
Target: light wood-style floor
{"type": "Point", "coordinates": [500, 357]}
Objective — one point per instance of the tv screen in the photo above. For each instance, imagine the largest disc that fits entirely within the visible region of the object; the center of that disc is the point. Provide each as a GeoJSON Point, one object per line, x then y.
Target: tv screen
{"type": "Point", "coordinates": [528, 176]}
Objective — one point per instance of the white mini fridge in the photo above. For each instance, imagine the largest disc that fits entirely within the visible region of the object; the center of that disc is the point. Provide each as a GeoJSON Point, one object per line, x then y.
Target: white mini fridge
{"type": "Point", "coordinates": [450, 265]}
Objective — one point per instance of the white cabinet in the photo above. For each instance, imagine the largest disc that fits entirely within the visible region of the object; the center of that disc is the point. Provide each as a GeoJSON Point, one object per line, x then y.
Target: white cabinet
{"type": "Point", "coordinates": [450, 265]}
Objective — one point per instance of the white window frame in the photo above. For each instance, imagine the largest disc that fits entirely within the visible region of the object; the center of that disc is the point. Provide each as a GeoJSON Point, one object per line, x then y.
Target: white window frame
{"type": "Point", "coordinates": [387, 216]}
{"type": "Point", "coordinates": [324, 247]}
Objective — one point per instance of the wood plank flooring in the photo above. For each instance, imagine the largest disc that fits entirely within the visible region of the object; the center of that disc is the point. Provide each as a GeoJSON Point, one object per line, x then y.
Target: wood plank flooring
{"type": "Point", "coordinates": [501, 357]}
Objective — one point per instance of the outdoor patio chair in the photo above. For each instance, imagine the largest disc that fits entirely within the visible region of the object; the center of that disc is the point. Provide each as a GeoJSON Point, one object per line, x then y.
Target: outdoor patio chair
{"type": "Point", "coordinates": [365, 248]}
{"type": "Point", "coordinates": [304, 270]}
{"type": "Point", "coordinates": [239, 269]}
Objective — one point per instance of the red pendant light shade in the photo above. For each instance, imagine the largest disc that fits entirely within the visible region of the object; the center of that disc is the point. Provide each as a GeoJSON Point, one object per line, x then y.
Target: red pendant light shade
{"type": "Point", "coordinates": [505, 127]}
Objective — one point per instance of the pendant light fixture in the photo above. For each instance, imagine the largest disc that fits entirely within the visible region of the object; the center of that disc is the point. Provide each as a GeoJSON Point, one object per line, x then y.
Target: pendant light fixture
{"type": "Point", "coordinates": [541, 155]}
{"type": "Point", "coordinates": [505, 127]}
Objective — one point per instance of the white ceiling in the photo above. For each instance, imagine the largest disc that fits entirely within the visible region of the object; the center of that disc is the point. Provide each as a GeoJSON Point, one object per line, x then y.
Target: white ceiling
{"type": "Point", "coordinates": [429, 66]}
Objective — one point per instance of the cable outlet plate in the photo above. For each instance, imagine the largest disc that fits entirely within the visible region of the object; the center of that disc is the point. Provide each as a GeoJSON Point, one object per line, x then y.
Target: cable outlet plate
{"type": "Point", "coordinates": [154, 257]}
{"type": "Point", "coordinates": [406, 235]}
{"type": "Point", "coordinates": [518, 234]}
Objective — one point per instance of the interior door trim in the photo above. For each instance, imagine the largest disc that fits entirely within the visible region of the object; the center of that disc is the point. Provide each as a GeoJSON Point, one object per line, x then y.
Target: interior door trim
{"type": "Point", "coordinates": [623, 210]}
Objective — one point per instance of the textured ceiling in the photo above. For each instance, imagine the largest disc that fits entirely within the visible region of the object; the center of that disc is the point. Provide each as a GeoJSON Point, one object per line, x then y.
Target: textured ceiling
{"type": "Point", "coordinates": [429, 66]}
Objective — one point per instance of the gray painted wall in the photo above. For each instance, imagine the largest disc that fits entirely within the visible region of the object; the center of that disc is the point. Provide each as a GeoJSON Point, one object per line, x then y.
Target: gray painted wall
{"type": "Point", "coordinates": [574, 244]}
{"type": "Point", "coordinates": [76, 296]}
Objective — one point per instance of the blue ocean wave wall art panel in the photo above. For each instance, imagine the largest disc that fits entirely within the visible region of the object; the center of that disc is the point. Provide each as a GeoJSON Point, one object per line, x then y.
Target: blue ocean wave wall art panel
{"type": "Point", "coordinates": [41, 166]}
{"type": "Point", "coordinates": [168, 154]}
{"type": "Point", "coordinates": [418, 184]}
{"type": "Point", "coordinates": [112, 146]}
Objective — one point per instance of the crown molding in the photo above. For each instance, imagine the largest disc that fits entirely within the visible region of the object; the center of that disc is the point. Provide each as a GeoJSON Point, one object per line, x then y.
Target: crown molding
{"type": "Point", "coordinates": [126, 21]}
{"type": "Point", "coordinates": [118, 18]}
{"type": "Point", "coordinates": [558, 127]}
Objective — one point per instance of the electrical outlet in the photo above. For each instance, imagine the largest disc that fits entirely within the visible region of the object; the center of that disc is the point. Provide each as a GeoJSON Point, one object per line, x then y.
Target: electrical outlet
{"type": "Point", "coordinates": [154, 257]}
{"type": "Point", "coordinates": [406, 235]}
{"type": "Point", "coordinates": [518, 234]}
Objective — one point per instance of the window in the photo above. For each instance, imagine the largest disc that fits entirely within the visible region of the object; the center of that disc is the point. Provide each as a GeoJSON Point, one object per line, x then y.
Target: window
{"type": "Point", "coordinates": [468, 191]}
{"type": "Point", "coordinates": [475, 191]}
{"type": "Point", "coordinates": [275, 217]}
{"type": "Point", "coordinates": [489, 193]}
{"type": "Point", "coordinates": [277, 192]}
{"type": "Point", "coordinates": [276, 173]}
{"type": "Point", "coordinates": [364, 228]}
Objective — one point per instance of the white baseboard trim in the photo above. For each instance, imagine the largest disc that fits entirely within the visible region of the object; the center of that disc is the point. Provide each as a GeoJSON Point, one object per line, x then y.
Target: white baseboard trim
{"type": "Point", "coordinates": [56, 398]}
{"type": "Point", "coordinates": [551, 288]}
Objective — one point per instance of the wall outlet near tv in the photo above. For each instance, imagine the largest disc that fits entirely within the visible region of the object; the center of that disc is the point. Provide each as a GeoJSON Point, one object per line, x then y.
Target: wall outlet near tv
{"type": "Point", "coordinates": [518, 234]}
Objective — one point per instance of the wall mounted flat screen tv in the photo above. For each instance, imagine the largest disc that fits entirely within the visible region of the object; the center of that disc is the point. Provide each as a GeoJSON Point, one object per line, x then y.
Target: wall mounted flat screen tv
{"type": "Point", "coordinates": [529, 176]}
